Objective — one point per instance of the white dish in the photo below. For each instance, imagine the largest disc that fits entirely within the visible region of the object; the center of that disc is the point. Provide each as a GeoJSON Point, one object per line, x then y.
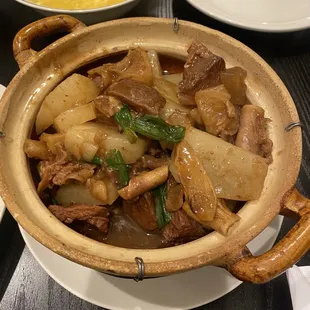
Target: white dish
{"type": "Point", "coordinates": [2, 206]}
{"type": "Point", "coordinates": [182, 291]}
{"type": "Point", "coordinates": [262, 15]}
{"type": "Point", "coordinates": [89, 16]}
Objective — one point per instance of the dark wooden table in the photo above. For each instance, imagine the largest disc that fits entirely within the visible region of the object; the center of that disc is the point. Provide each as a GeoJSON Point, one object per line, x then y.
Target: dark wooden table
{"type": "Point", "coordinates": [23, 283]}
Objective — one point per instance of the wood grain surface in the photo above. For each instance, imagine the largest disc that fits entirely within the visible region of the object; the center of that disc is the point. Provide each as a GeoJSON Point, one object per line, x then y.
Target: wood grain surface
{"type": "Point", "coordinates": [23, 283]}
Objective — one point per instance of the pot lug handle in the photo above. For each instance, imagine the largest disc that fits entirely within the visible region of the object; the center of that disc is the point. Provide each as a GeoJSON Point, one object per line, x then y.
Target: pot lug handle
{"type": "Point", "coordinates": [263, 268]}
{"type": "Point", "coordinates": [22, 42]}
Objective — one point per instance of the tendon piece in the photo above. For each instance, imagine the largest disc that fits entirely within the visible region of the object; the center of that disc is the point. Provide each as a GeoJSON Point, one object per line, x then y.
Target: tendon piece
{"type": "Point", "coordinates": [236, 174]}
{"type": "Point", "coordinates": [217, 112]}
{"type": "Point", "coordinates": [95, 215]}
{"type": "Point", "coordinates": [175, 195]}
{"type": "Point", "coordinates": [182, 229]}
{"type": "Point", "coordinates": [144, 182]}
{"type": "Point", "coordinates": [234, 81]}
{"type": "Point", "coordinates": [198, 188]}
{"type": "Point", "coordinates": [201, 70]}
{"type": "Point", "coordinates": [135, 66]}
{"type": "Point", "coordinates": [252, 135]}
{"type": "Point", "coordinates": [139, 96]}
{"type": "Point", "coordinates": [142, 211]}
{"type": "Point", "coordinates": [36, 149]}
{"type": "Point", "coordinates": [224, 220]}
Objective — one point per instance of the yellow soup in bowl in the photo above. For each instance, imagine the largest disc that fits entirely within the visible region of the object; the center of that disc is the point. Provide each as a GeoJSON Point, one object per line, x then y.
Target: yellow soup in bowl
{"type": "Point", "coordinates": [75, 4]}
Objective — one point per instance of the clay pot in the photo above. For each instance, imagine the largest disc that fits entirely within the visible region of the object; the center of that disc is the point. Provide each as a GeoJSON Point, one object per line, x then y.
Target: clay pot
{"type": "Point", "coordinates": [41, 71]}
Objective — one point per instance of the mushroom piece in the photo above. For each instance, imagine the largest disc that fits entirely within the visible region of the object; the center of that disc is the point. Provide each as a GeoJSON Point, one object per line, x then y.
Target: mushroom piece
{"type": "Point", "coordinates": [144, 182]}
{"type": "Point", "coordinates": [188, 169]}
{"type": "Point", "coordinates": [224, 220]}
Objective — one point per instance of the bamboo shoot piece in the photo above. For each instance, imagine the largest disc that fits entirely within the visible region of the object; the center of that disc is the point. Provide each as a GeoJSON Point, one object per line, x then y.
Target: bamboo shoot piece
{"type": "Point", "coordinates": [236, 174]}
{"type": "Point", "coordinates": [224, 220]}
{"type": "Point", "coordinates": [198, 188]}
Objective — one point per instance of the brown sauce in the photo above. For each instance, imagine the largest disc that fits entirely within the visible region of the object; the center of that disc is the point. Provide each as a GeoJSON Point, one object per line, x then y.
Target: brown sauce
{"type": "Point", "coordinates": [170, 65]}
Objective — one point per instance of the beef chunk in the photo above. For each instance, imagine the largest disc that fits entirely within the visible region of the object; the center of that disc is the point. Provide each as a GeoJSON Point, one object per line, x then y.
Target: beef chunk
{"type": "Point", "coordinates": [142, 211]}
{"type": "Point", "coordinates": [139, 96]}
{"type": "Point", "coordinates": [94, 215]}
{"type": "Point", "coordinates": [252, 135]}
{"type": "Point", "coordinates": [58, 170]}
{"type": "Point", "coordinates": [201, 70]}
{"type": "Point", "coordinates": [182, 229]}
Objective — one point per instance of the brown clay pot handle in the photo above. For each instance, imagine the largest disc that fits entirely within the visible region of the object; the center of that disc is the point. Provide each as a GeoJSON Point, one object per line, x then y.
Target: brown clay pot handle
{"type": "Point", "coordinates": [285, 253]}
{"type": "Point", "coordinates": [22, 41]}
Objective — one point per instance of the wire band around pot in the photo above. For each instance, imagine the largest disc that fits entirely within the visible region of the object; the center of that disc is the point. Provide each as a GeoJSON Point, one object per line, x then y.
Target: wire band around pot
{"type": "Point", "coordinates": [140, 264]}
{"type": "Point", "coordinates": [292, 125]}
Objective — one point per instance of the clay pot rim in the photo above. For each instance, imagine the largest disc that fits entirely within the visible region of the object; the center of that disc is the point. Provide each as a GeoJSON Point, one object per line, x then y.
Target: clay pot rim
{"type": "Point", "coordinates": [164, 267]}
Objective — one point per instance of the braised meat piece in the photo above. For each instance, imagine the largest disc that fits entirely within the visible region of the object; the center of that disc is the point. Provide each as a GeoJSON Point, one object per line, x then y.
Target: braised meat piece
{"type": "Point", "coordinates": [218, 114]}
{"type": "Point", "coordinates": [59, 170]}
{"type": "Point", "coordinates": [139, 96]}
{"type": "Point", "coordinates": [252, 135]}
{"type": "Point", "coordinates": [142, 211]}
{"type": "Point", "coordinates": [94, 215]}
{"type": "Point", "coordinates": [135, 65]}
{"type": "Point", "coordinates": [182, 229]}
{"type": "Point", "coordinates": [201, 70]}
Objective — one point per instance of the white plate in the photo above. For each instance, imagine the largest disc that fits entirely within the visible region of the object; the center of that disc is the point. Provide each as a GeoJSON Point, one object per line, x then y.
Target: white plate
{"type": "Point", "coordinates": [262, 15]}
{"type": "Point", "coordinates": [2, 206]}
{"type": "Point", "coordinates": [182, 291]}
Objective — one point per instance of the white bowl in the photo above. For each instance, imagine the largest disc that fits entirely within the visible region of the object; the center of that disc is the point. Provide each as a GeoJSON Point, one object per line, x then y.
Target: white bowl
{"type": "Point", "coordinates": [87, 16]}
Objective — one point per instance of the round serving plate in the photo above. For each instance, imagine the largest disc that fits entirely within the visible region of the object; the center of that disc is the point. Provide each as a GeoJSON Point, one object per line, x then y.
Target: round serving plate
{"type": "Point", "coordinates": [262, 15]}
{"type": "Point", "coordinates": [181, 291]}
